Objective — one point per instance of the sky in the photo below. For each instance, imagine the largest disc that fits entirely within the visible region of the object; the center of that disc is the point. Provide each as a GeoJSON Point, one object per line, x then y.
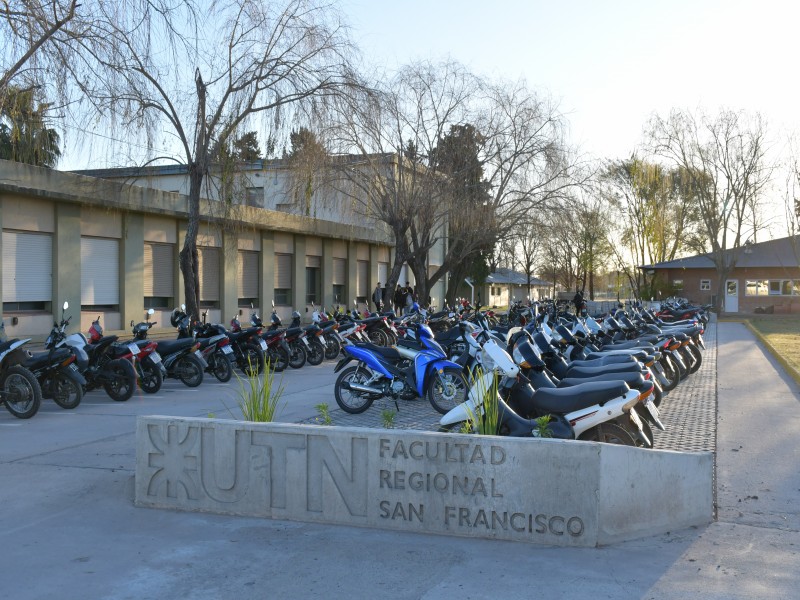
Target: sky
{"type": "Point", "coordinates": [610, 64]}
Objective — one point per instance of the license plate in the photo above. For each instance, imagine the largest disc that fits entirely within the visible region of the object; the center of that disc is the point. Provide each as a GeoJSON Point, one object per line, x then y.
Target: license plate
{"type": "Point", "coordinates": [155, 357]}
{"type": "Point", "coordinates": [73, 366]}
{"type": "Point", "coordinates": [393, 328]}
{"type": "Point", "coordinates": [227, 350]}
{"type": "Point", "coordinates": [323, 342]}
{"type": "Point", "coordinates": [133, 349]}
{"type": "Point", "coordinates": [199, 354]}
{"type": "Point", "coordinates": [305, 341]}
{"type": "Point", "coordinates": [654, 413]}
{"type": "Point", "coordinates": [263, 344]}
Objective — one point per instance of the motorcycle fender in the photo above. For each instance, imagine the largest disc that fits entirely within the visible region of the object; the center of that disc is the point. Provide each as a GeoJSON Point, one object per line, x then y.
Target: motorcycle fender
{"type": "Point", "coordinates": [341, 364]}
{"type": "Point", "coordinates": [457, 414]}
{"type": "Point", "coordinates": [436, 365]}
{"type": "Point", "coordinates": [75, 376]}
{"type": "Point", "coordinates": [369, 359]}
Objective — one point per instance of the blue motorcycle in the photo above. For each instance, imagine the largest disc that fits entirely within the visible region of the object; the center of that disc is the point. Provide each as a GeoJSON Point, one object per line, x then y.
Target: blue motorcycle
{"type": "Point", "coordinates": [409, 371]}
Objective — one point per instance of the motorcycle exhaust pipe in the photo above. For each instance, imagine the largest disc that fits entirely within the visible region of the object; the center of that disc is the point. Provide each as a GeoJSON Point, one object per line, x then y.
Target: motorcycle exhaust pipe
{"type": "Point", "coordinates": [356, 387]}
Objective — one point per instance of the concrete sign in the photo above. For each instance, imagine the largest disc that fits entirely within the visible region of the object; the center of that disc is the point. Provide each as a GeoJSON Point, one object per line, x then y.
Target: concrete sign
{"type": "Point", "coordinates": [538, 491]}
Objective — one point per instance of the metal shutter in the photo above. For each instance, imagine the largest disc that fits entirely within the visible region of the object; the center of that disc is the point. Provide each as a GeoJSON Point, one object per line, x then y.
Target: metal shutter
{"type": "Point", "coordinates": [248, 274]}
{"type": "Point", "coordinates": [339, 271]}
{"type": "Point", "coordinates": [159, 266]}
{"type": "Point", "coordinates": [383, 273]}
{"type": "Point", "coordinates": [99, 271]}
{"type": "Point", "coordinates": [209, 274]}
{"type": "Point", "coordinates": [362, 278]}
{"type": "Point", "coordinates": [27, 267]}
{"type": "Point", "coordinates": [314, 261]}
{"type": "Point", "coordinates": [283, 271]}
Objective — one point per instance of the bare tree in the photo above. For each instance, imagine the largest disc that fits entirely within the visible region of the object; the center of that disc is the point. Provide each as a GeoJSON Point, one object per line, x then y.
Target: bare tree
{"type": "Point", "coordinates": [724, 158]}
{"type": "Point", "coordinates": [445, 155]}
{"type": "Point", "coordinates": [25, 27]}
{"type": "Point", "coordinates": [250, 61]}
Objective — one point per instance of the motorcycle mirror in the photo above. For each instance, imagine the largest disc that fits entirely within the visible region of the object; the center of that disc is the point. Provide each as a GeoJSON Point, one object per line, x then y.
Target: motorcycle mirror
{"type": "Point", "coordinates": [251, 306]}
{"type": "Point", "coordinates": [183, 307]}
{"type": "Point", "coordinates": [131, 322]}
{"type": "Point", "coordinates": [66, 305]}
{"type": "Point", "coordinates": [150, 312]}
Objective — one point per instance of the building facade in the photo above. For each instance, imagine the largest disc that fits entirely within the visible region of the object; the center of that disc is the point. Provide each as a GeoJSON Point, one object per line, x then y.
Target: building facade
{"type": "Point", "coordinates": [766, 276]}
{"type": "Point", "coordinates": [110, 249]}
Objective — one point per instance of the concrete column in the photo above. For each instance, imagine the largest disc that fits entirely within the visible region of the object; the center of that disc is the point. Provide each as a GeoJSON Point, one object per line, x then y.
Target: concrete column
{"type": "Point", "coordinates": [267, 272]}
{"type": "Point", "coordinates": [352, 270]}
{"type": "Point", "coordinates": [131, 269]}
{"type": "Point", "coordinates": [327, 273]}
{"type": "Point", "coordinates": [299, 277]}
{"type": "Point", "coordinates": [67, 261]}
{"type": "Point", "coordinates": [180, 294]}
{"type": "Point", "coordinates": [229, 294]}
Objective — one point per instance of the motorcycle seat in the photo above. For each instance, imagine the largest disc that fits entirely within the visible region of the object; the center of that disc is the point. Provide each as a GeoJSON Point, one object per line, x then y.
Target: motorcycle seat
{"type": "Point", "coordinates": [635, 381]}
{"type": "Point", "coordinates": [616, 359]}
{"type": "Point", "coordinates": [565, 400]}
{"type": "Point", "coordinates": [592, 371]}
{"type": "Point", "coordinates": [268, 335]}
{"type": "Point", "coordinates": [42, 359]}
{"type": "Point", "coordinates": [294, 331]}
{"type": "Point", "coordinates": [387, 353]}
{"type": "Point", "coordinates": [168, 347]}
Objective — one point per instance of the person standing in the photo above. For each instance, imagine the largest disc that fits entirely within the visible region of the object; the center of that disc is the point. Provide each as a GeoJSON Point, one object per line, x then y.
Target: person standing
{"type": "Point", "coordinates": [377, 297]}
{"type": "Point", "coordinates": [398, 299]}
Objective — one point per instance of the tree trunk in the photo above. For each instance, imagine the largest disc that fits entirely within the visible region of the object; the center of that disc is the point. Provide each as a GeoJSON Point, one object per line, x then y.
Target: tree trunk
{"type": "Point", "coordinates": [188, 254]}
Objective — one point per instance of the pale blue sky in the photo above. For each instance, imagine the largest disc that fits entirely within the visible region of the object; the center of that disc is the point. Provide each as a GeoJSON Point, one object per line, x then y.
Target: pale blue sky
{"type": "Point", "coordinates": [611, 64]}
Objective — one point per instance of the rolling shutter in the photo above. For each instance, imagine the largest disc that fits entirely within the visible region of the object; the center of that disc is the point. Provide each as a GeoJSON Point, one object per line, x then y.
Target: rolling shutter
{"type": "Point", "coordinates": [383, 273]}
{"type": "Point", "coordinates": [99, 272]}
{"type": "Point", "coordinates": [362, 279]}
{"type": "Point", "coordinates": [159, 266]}
{"type": "Point", "coordinates": [283, 271]}
{"type": "Point", "coordinates": [313, 262]}
{"type": "Point", "coordinates": [209, 274]}
{"type": "Point", "coordinates": [248, 274]}
{"type": "Point", "coordinates": [339, 271]}
{"type": "Point", "coordinates": [27, 267]}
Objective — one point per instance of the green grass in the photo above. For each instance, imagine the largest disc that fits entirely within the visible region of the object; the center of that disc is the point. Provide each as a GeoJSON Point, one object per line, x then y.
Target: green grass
{"type": "Point", "coordinates": [783, 333]}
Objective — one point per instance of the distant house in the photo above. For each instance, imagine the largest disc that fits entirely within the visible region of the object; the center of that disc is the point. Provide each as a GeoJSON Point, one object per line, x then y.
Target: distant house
{"type": "Point", "coordinates": [767, 274]}
{"type": "Point", "coordinates": [505, 285]}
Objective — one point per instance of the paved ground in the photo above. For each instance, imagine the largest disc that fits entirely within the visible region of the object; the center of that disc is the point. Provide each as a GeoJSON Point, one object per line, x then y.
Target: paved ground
{"type": "Point", "coordinates": [69, 528]}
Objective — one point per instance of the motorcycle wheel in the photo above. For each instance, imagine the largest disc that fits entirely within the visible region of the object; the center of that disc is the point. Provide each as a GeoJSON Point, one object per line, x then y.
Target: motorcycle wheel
{"type": "Point", "coordinates": [447, 389]}
{"type": "Point", "coordinates": [333, 348]}
{"type": "Point", "coordinates": [122, 383]}
{"type": "Point", "coordinates": [189, 370]}
{"type": "Point", "coordinates": [670, 372]}
{"type": "Point", "coordinates": [66, 393]}
{"type": "Point", "coordinates": [634, 431]}
{"type": "Point", "coordinates": [253, 362]}
{"type": "Point", "coordinates": [317, 353]}
{"type": "Point", "coordinates": [220, 366]}
{"type": "Point", "coordinates": [20, 392]}
{"type": "Point", "coordinates": [298, 356]}
{"type": "Point", "coordinates": [348, 400]}
{"type": "Point", "coordinates": [278, 359]}
{"type": "Point", "coordinates": [378, 337]}
{"type": "Point", "coordinates": [150, 377]}
{"type": "Point", "coordinates": [608, 433]}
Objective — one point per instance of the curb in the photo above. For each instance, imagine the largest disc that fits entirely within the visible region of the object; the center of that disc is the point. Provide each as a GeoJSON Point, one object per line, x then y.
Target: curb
{"type": "Point", "coordinates": [789, 368]}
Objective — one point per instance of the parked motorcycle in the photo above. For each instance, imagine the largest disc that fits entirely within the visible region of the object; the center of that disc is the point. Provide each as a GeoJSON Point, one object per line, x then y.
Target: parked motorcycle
{"type": "Point", "coordinates": [19, 389]}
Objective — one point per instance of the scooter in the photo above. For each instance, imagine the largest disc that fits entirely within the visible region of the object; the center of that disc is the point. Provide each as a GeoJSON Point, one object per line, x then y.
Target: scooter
{"type": "Point", "coordinates": [19, 389]}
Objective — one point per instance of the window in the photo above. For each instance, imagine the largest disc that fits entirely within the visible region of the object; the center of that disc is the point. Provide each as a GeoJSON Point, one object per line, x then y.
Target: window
{"type": "Point", "coordinates": [283, 279]}
{"type": "Point", "coordinates": [786, 287]}
{"type": "Point", "coordinates": [796, 287]}
{"type": "Point", "coordinates": [339, 279]}
{"type": "Point", "coordinates": [677, 284]}
{"type": "Point", "coordinates": [27, 271]}
{"type": "Point", "coordinates": [247, 278]}
{"type": "Point", "coordinates": [159, 267]}
{"type": "Point", "coordinates": [313, 270]}
{"type": "Point", "coordinates": [705, 285]}
{"type": "Point", "coordinates": [255, 197]}
{"type": "Point", "coordinates": [99, 273]}
{"type": "Point", "coordinates": [775, 288]}
{"type": "Point", "coordinates": [756, 287]}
